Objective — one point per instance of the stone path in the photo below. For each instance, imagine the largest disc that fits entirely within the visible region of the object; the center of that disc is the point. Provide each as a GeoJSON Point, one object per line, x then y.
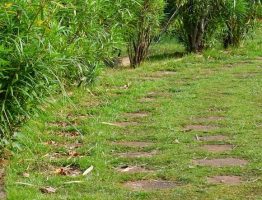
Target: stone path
{"type": "Point", "coordinates": [205, 139]}
{"type": "Point", "coordinates": [143, 150]}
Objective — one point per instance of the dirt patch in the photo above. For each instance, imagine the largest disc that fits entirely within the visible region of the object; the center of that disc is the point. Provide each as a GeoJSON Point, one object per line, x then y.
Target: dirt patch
{"type": "Point", "coordinates": [2, 190]}
{"type": "Point", "coordinates": [124, 62]}
{"type": "Point", "coordinates": [134, 144]}
{"type": "Point", "coordinates": [217, 148]}
{"type": "Point", "coordinates": [137, 154]}
{"type": "Point", "coordinates": [150, 185]}
{"type": "Point", "coordinates": [199, 128]}
{"type": "Point", "coordinates": [228, 180]}
{"type": "Point", "coordinates": [221, 162]}
{"type": "Point", "coordinates": [213, 138]}
{"type": "Point", "coordinates": [133, 169]}
{"type": "Point", "coordinates": [136, 114]}
{"type": "Point", "coordinates": [122, 124]}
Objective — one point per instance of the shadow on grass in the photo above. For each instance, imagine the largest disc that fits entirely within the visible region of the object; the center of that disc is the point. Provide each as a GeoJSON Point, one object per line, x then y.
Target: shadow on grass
{"type": "Point", "coordinates": [164, 56]}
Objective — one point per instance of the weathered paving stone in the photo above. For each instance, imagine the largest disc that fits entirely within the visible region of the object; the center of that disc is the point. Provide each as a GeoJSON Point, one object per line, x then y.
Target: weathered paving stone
{"type": "Point", "coordinates": [228, 180]}
{"type": "Point", "coordinates": [210, 119]}
{"type": "Point", "coordinates": [134, 144]}
{"type": "Point", "coordinates": [150, 185]}
{"type": "Point", "coordinates": [217, 148]}
{"type": "Point", "coordinates": [149, 78]}
{"type": "Point", "coordinates": [204, 128]}
{"type": "Point", "coordinates": [221, 162]}
{"type": "Point", "coordinates": [146, 100]}
{"type": "Point", "coordinates": [133, 169]}
{"type": "Point", "coordinates": [213, 138]}
{"type": "Point", "coordinates": [137, 154]}
{"type": "Point", "coordinates": [152, 94]}
{"type": "Point", "coordinates": [136, 114]}
{"type": "Point", "coordinates": [161, 74]}
{"type": "Point", "coordinates": [122, 124]}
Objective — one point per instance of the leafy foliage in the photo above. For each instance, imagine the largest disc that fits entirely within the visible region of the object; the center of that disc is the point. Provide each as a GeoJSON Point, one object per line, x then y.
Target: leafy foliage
{"type": "Point", "coordinates": [199, 21]}
{"type": "Point", "coordinates": [238, 17]}
{"type": "Point", "coordinates": [46, 45]}
{"type": "Point", "coordinates": [143, 26]}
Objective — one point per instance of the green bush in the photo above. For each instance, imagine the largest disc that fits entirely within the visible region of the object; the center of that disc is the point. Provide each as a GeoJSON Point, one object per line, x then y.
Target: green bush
{"type": "Point", "coordinates": [141, 28]}
{"type": "Point", "coordinates": [238, 18]}
{"type": "Point", "coordinates": [196, 23]}
{"type": "Point", "coordinates": [47, 45]}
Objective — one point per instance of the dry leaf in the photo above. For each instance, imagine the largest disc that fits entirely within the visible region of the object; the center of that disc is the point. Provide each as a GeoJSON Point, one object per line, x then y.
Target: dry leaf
{"type": "Point", "coordinates": [73, 153]}
{"type": "Point", "coordinates": [61, 171]}
{"type": "Point", "coordinates": [88, 170]}
{"type": "Point", "coordinates": [68, 171]}
{"type": "Point", "coordinates": [26, 175]}
{"type": "Point", "coordinates": [48, 190]}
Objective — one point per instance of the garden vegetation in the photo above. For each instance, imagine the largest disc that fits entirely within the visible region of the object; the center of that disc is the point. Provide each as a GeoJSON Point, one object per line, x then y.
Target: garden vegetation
{"type": "Point", "coordinates": [47, 46]}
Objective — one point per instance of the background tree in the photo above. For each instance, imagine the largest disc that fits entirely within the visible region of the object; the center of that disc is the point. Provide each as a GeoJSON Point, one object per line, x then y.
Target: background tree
{"type": "Point", "coordinates": [143, 26]}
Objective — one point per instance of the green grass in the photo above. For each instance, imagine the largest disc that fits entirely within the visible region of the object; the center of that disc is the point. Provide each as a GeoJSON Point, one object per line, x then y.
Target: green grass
{"type": "Point", "coordinates": [217, 83]}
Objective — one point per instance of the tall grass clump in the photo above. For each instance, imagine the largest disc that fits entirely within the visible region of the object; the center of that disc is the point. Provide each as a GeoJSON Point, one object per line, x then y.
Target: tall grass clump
{"type": "Point", "coordinates": [48, 45]}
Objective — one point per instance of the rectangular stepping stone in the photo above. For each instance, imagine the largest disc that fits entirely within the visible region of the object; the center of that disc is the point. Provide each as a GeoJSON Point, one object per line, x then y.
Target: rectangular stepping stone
{"type": "Point", "coordinates": [221, 162]}
{"type": "Point", "coordinates": [134, 144]}
{"type": "Point", "coordinates": [217, 148]}
{"type": "Point", "coordinates": [161, 74]}
{"type": "Point", "coordinates": [228, 180]}
{"type": "Point", "coordinates": [213, 138]}
{"type": "Point", "coordinates": [121, 124]}
{"type": "Point", "coordinates": [203, 128]}
{"type": "Point", "coordinates": [133, 169]}
{"type": "Point", "coordinates": [150, 185]}
{"type": "Point", "coordinates": [146, 100]}
{"type": "Point", "coordinates": [136, 114]}
{"type": "Point", "coordinates": [209, 119]}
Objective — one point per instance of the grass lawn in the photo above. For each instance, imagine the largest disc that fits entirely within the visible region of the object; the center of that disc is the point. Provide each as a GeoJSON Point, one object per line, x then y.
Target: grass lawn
{"type": "Point", "coordinates": [149, 125]}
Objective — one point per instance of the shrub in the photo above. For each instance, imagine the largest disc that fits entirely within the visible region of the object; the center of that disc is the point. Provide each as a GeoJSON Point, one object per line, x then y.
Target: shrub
{"type": "Point", "coordinates": [238, 17]}
{"type": "Point", "coordinates": [143, 25]}
{"type": "Point", "coordinates": [196, 23]}
{"type": "Point", "coordinates": [46, 45]}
